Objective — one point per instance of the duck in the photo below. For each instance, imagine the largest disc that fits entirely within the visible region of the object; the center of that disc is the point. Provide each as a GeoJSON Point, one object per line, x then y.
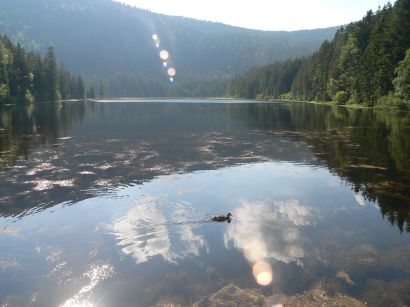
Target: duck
{"type": "Point", "coordinates": [223, 218]}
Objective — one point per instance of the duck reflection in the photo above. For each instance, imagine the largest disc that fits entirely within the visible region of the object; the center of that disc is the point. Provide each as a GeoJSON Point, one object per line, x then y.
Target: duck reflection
{"type": "Point", "coordinates": [154, 228]}
{"type": "Point", "coordinates": [269, 231]}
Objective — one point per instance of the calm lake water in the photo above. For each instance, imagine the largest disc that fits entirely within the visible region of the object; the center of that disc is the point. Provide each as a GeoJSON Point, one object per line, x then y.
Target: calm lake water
{"type": "Point", "coordinates": [110, 203]}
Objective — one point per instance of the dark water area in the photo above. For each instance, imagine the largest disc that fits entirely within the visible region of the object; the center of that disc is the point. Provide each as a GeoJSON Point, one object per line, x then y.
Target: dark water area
{"type": "Point", "coordinates": [110, 203]}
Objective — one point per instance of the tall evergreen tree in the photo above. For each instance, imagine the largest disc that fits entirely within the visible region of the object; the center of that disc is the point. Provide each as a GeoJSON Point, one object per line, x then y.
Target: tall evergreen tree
{"type": "Point", "coordinates": [38, 84]}
{"type": "Point", "coordinates": [4, 76]}
{"type": "Point", "coordinates": [19, 75]}
{"type": "Point", "coordinates": [51, 76]}
{"type": "Point", "coordinates": [80, 88]}
{"type": "Point", "coordinates": [25, 76]}
{"type": "Point", "coordinates": [90, 92]}
{"type": "Point", "coordinates": [64, 84]}
{"type": "Point", "coordinates": [102, 90]}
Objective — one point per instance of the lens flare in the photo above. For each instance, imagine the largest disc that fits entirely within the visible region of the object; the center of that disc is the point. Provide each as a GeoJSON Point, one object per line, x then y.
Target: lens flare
{"type": "Point", "coordinates": [156, 40]}
{"type": "Point", "coordinates": [172, 72]}
{"type": "Point", "coordinates": [164, 55]}
{"type": "Point", "coordinates": [262, 272]}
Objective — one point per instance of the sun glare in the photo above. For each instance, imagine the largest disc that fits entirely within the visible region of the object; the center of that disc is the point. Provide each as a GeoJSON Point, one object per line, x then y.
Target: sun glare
{"type": "Point", "coordinates": [164, 55]}
{"type": "Point", "coordinates": [262, 272]}
{"type": "Point", "coordinates": [172, 72]}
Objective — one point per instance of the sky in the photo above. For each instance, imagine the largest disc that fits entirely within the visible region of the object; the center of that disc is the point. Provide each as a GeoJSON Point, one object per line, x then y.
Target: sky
{"type": "Point", "coordinates": [272, 15]}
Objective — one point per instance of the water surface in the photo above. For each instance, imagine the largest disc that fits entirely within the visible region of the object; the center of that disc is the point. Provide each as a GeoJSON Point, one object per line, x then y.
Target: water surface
{"type": "Point", "coordinates": [109, 203]}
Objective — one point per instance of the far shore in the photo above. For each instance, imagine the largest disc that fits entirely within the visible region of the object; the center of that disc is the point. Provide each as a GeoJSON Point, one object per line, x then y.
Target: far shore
{"type": "Point", "coordinates": [352, 106]}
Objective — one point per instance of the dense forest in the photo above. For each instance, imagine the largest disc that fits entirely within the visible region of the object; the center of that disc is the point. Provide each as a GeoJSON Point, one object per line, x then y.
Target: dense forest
{"type": "Point", "coordinates": [108, 41]}
{"type": "Point", "coordinates": [367, 62]}
{"type": "Point", "coordinates": [26, 77]}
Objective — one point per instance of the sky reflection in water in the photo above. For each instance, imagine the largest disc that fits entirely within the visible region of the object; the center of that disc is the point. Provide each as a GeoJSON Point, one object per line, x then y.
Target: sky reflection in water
{"type": "Point", "coordinates": [127, 218]}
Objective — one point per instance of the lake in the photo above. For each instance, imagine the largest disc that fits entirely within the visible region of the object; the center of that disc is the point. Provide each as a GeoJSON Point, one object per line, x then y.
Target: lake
{"type": "Point", "coordinates": [110, 203]}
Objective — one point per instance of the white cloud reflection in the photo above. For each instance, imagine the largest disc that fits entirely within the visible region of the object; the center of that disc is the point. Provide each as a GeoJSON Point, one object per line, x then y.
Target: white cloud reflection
{"type": "Point", "coordinates": [269, 230]}
{"type": "Point", "coordinates": [153, 229]}
{"type": "Point", "coordinates": [360, 199]}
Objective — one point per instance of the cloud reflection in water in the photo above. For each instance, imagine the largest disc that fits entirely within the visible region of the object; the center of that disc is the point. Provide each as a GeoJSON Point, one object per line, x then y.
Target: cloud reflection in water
{"type": "Point", "coordinates": [154, 228]}
{"type": "Point", "coordinates": [269, 231]}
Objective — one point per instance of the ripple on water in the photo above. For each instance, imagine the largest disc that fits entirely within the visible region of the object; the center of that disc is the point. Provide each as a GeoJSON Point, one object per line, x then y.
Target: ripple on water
{"type": "Point", "coordinates": [44, 184]}
{"type": "Point", "coordinates": [45, 166]}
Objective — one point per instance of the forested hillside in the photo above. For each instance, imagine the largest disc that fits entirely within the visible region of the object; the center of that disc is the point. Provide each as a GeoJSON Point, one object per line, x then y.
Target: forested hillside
{"type": "Point", "coordinates": [101, 39]}
{"type": "Point", "coordinates": [26, 77]}
{"type": "Point", "coordinates": [365, 63]}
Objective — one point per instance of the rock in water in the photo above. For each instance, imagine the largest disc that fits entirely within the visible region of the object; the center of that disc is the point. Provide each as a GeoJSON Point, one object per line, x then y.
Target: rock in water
{"type": "Point", "coordinates": [232, 296]}
{"type": "Point", "coordinates": [322, 294]}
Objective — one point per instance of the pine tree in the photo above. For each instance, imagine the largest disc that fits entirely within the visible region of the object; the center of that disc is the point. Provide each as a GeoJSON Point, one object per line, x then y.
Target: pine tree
{"type": "Point", "coordinates": [400, 29]}
{"type": "Point", "coordinates": [4, 77]}
{"type": "Point", "coordinates": [64, 84]}
{"type": "Point", "coordinates": [80, 88]}
{"type": "Point", "coordinates": [90, 94]}
{"type": "Point", "coordinates": [102, 92]}
{"type": "Point", "coordinates": [51, 76]}
{"type": "Point", "coordinates": [19, 81]}
{"type": "Point", "coordinates": [38, 83]}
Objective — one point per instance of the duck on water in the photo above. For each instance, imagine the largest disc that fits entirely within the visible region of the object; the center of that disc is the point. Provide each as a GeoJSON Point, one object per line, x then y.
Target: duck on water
{"type": "Point", "coordinates": [223, 218]}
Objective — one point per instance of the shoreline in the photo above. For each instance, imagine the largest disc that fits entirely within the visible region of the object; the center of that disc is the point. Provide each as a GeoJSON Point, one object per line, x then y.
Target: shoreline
{"type": "Point", "coordinates": [331, 104]}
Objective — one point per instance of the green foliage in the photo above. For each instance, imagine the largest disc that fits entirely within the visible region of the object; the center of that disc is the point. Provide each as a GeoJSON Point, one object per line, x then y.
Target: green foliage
{"type": "Point", "coordinates": [332, 87]}
{"type": "Point", "coordinates": [287, 96]}
{"type": "Point", "coordinates": [360, 65]}
{"type": "Point", "coordinates": [270, 81]}
{"type": "Point", "coordinates": [402, 81]}
{"type": "Point", "coordinates": [90, 93]}
{"type": "Point", "coordinates": [4, 92]}
{"type": "Point", "coordinates": [50, 73]}
{"type": "Point", "coordinates": [25, 77]}
{"type": "Point", "coordinates": [100, 39]}
{"type": "Point", "coordinates": [19, 78]}
{"type": "Point", "coordinates": [65, 84]}
{"type": "Point", "coordinates": [341, 97]}
{"type": "Point", "coordinates": [392, 101]}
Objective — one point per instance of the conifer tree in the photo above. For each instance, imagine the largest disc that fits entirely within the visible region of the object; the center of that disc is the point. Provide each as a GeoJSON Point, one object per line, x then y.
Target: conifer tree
{"type": "Point", "coordinates": [90, 92]}
{"type": "Point", "coordinates": [102, 91]}
{"type": "Point", "coordinates": [80, 88]}
{"type": "Point", "coordinates": [51, 76]}
{"type": "Point", "coordinates": [19, 75]}
{"type": "Point", "coordinates": [4, 77]}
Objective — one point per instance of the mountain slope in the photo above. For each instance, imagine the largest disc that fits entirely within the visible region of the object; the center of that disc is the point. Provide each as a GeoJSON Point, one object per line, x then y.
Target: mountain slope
{"type": "Point", "coordinates": [100, 37]}
{"type": "Point", "coordinates": [367, 62]}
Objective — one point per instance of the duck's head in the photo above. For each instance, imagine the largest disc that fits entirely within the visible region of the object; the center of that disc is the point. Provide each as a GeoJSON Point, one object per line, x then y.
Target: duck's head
{"type": "Point", "coordinates": [229, 215]}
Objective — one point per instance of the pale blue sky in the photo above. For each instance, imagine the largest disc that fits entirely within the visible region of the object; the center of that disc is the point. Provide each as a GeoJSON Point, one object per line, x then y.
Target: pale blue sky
{"type": "Point", "coordinates": [265, 14]}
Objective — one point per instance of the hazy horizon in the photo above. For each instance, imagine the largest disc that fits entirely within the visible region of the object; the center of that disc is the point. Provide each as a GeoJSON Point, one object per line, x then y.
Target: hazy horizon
{"type": "Point", "coordinates": [266, 15]}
